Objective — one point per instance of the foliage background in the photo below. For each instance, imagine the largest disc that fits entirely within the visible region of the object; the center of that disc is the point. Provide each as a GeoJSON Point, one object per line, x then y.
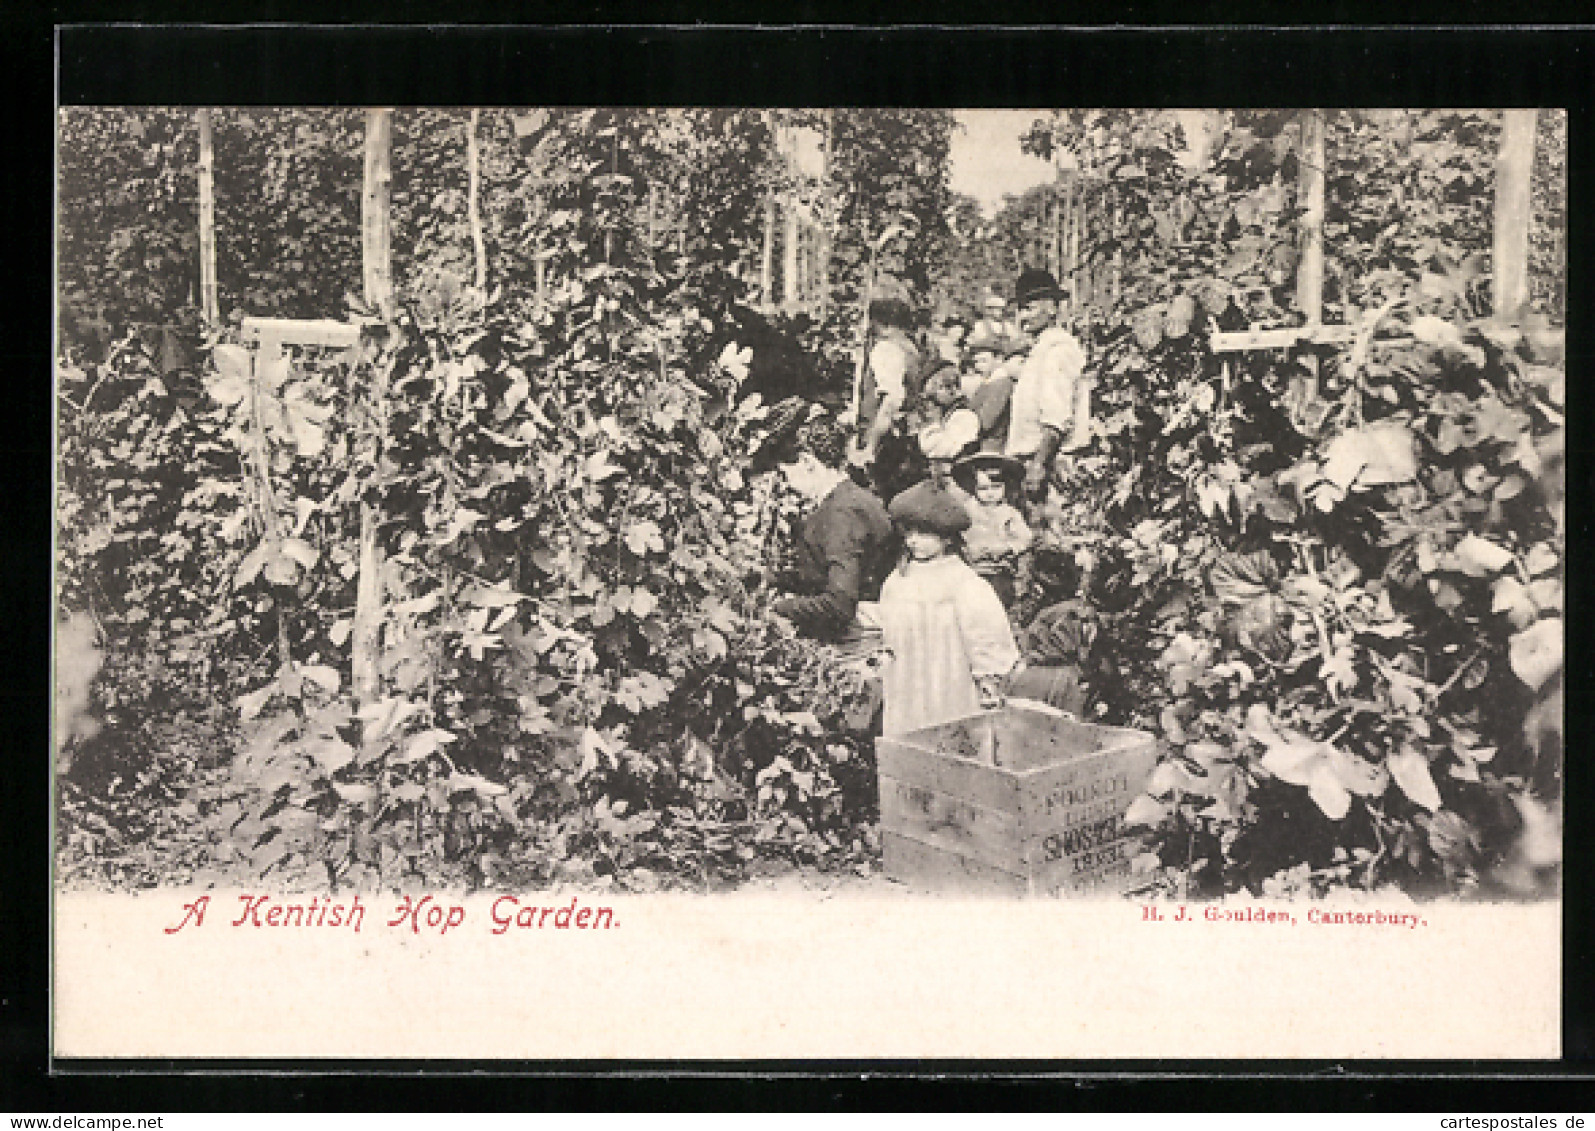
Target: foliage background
{"type": "Point", "coordinates": [1351, 657]}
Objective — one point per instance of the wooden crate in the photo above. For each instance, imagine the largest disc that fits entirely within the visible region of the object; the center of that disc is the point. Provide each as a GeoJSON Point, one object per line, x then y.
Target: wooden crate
{"type": "Point", "coordinates": [1020, 801]}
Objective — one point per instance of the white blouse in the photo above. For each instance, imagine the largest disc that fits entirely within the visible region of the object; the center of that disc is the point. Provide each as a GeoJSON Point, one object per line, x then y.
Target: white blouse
{"type": "Point", "coordinates": [943, 627]}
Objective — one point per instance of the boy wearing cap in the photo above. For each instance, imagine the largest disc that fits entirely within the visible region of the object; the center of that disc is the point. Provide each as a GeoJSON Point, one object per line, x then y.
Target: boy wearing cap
{"type": "Point", "coordinates": [994, 323]}
{"type": "Point", "coordinates": [988, 385]}
{"type": "Point", "coordinates": [949, 645]}
{"type": "Point", "coordinates": [1049, 410]}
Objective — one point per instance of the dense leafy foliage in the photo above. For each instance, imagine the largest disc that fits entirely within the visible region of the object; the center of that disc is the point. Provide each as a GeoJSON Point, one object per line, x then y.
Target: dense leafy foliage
{"type": "Point", "coordinates": [1328, 578]}
{"type": "Point", "coordinates": [1333, 575]}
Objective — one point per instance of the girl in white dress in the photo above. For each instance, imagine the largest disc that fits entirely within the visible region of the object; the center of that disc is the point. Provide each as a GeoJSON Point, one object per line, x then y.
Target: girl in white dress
{"type": "Point", "coordinates": [949, 645]}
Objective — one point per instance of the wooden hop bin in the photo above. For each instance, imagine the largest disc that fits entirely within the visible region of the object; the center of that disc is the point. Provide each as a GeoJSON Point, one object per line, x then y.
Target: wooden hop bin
{"type": "Point", "coordinates": [1018, 801]}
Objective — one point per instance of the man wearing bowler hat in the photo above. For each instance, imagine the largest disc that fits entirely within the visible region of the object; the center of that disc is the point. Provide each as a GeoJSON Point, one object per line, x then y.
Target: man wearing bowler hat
{"type": "Point", "coordinates": [1049, 411]}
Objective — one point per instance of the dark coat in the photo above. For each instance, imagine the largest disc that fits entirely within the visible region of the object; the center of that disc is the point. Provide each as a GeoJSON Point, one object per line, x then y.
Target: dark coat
{"type": "Point", "coordinates": [844, 551]}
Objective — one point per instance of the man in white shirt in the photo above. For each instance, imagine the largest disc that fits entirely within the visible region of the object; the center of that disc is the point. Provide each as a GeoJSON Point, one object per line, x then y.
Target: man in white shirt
{"type": "Point", "coordinates": [1050, 408]}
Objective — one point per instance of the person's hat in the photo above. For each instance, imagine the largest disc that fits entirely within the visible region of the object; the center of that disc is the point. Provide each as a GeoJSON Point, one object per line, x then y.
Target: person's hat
{"type": "Point", "coordinates": [826, 438]}
{"type": "Point", "coordinates": [891, 289]}
{"type": "Point", "coordinates": [935, 368]}
{"type": "Point", "coordinates": [985, 338]}
{"type": "Point", "coordinates": [926, 506]}
{"type": "Point", "coordinates": [1035, 283]}
{"type": "Point", "coordinates": [1004, 465]}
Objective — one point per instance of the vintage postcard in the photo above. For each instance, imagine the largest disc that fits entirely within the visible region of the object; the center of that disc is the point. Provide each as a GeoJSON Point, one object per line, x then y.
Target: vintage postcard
{"type": "Point", "coordinates": [661, 584]}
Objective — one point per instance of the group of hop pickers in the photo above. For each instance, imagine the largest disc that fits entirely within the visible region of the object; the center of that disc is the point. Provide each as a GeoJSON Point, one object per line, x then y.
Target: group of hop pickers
{"type": "Point", "coordinates": [919, 551]}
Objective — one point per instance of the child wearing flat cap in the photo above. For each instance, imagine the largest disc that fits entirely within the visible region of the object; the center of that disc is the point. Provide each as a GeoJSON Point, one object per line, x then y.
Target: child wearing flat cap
{"type": "Point", "coordinates": [947, 636]}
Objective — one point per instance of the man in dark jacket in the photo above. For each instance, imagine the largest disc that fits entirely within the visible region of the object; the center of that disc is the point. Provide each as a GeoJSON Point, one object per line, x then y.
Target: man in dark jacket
{"type": "Point", "coordinates": [844, 545]}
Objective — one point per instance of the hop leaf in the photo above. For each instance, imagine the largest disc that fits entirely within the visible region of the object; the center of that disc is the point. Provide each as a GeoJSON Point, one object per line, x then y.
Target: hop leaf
{"type": "Point", "coordinates": [1240, 578]}
{"type": "Point", "coordinates": [1147, 811]}
{"type": "Point", "coordinates": [1358, 775]}
{"type": "Point", "coordinates": [1411, 771]}
{"type": "Point", "coordinates": [735, 361]}
{"type": "Point", "coordinates": [644, 536]}
{"type": "Point", "coordinates": [1479, 557]}
{"type": "Point", "coordinates": [1536, 653]}
{"type": "Point", "coordinates": [355, 793]}
{"type": "Point", "coordinates": [1377, 455]}
{"type": "Point", "coordinates": [300, 551]}
{"type": "Point", "coordinates": [1328, 792]}
{"type": "Point", "coordinates": [330, 751]}
{"type": "Point", "coordinates": [1434, 331]}
{"type": "Point", "coordinates": [422, 745]}
{"type": "Point", "coordinates": [1294, 761]}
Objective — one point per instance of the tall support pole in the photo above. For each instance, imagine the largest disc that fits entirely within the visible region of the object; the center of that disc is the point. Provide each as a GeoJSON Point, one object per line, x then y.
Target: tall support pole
{"type": "Point", "coordinates": [375, 214]}
{"type": "Point", "coordinates": [790, 255]}
{"type": "Point", "coordinates": [473, 202]}
{"type": "Point", "coordinates": [377, 271]}
{"type": "Point", "coordinates": [1114, 289]}
{"type": "Point", "coordinates": [1514, 170]}
{"type": "Point", "coordinates": [1310, 193]}
{"type": "Point", "coordinates": [209, 306]}
{"type": "Point", "coordinates": [823, 250]}
{"type": "Point", "coordinates": [1071, 253]}
{"type": "Point", "coordinates": [767, 257]}
{"type": "Point", "coordinates": [862, 357]}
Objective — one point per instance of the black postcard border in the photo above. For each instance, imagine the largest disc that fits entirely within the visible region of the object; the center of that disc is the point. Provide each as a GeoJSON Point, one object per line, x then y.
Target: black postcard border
{"type": "Point", "coordinates": [586, 61]}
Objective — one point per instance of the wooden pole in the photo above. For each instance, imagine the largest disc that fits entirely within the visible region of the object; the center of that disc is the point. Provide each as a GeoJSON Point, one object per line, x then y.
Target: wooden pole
{"type": "Point", "coordinates": [377, 272]}
{"type": "Point", "coordinates": [790, 258]}
{"type": "Point", "coordinates": [823, 251]}
{"type": "Point", "coordinates": [1514, 170]}
{"type": "Point", "coordinates": [1071, 255]}
{"type": "Point", "coordinates": [269, 355]}
{"type": "Point", "coordinates": [767, 258]}
{"type": "Point", "coordinates": [1118, 252]}
{"type": "Point", "coordinates": [1056, 234]}
{"type": "Point", "coordinates": [1310, 194]}
{"type": "Point", "coordinates": [473, 206]}
{"type": "Point", "coordinates": [653, 216]}
{"type": "Point", "coordinates": [375, 214]}
{"type": "Point", "coordinates": [209, 306]}
{"type": "Point", "coordinates": [805, 276]}
{"type": "Point", "coordinates": [863, 329]}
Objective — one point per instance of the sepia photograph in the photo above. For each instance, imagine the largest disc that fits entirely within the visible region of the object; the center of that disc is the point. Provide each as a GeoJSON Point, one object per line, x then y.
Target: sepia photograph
{"type": "Point", "coordinates": [493, 523]}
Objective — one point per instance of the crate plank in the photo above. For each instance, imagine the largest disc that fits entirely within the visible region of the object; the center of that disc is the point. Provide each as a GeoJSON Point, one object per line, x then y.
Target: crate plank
{"type": "Point", "coordinates": [984, 785]}
{"type": "Point", "coordinates": [950, 822]}
{"type": "Point", "coordinates": [928, 868]}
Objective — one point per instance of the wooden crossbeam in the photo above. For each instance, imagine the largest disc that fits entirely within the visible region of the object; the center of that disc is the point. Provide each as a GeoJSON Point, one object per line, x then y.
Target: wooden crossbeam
{"type": "Point", "coordinates": [1239, 341]}
{"type": "Point", "coordinates": [268, 332]}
